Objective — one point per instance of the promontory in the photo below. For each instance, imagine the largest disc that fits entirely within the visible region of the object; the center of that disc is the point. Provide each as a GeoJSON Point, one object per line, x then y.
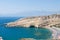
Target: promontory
{"type": "Point", "coordinates": [37, 21]}
{"type": "Point", "coordinates": [51, 22]}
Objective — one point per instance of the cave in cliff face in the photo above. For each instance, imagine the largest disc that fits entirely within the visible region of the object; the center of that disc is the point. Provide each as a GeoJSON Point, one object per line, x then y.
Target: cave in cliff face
{"type": "Point", "coordinates": [31, 26]}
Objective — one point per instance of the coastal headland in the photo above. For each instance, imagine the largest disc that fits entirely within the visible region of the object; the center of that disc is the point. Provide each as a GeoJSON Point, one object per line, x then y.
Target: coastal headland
{"type": "Point", "coordinates": [37, 21]}
{"type": "Point", "coordinates": [51, 22]}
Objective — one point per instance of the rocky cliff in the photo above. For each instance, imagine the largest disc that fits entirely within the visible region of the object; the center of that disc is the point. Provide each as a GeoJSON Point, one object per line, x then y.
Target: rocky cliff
{"type": "Point", "coordinates": [38, 21]}
{"type": "Point", "coordinates": [51, 22]}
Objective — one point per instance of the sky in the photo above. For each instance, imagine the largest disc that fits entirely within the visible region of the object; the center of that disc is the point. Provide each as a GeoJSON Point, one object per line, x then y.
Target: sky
{"type": "Point", "coordinates": [20, 8]}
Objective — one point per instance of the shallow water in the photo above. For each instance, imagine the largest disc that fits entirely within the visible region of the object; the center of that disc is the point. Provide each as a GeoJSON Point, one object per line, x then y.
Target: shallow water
{"type": "Point", "coordinates": [16, 33]}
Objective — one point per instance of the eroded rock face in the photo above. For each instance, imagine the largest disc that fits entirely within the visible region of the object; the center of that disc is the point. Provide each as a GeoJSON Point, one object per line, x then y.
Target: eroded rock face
{"type": "Point", "coordinates": [27, 39]}
{"type": "Point", "coordinates": [38, 21]}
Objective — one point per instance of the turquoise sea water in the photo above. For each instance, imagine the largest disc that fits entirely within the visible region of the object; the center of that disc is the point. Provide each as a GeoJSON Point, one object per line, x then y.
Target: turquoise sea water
{"type": "Point", "coordinates": [16, 33]}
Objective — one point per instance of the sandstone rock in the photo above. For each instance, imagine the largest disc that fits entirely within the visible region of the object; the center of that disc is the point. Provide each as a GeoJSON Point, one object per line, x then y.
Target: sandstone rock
{"type": "Point", "coordinates": [37, 21]}
{"type": "Point", "coordinates": [27, 39]}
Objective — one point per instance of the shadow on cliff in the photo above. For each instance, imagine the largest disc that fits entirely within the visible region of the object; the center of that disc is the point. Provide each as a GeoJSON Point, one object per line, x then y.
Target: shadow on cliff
{"type": "Point", "coordinates": [31, 26]}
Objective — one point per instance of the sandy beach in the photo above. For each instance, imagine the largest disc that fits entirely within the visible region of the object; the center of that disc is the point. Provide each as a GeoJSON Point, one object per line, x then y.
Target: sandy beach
{"type": "Point", "coordinates": [55, 32]}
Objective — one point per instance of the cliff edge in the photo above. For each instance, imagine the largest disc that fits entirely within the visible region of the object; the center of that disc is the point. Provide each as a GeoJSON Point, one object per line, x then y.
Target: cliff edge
{"type": "Point", "coordinates": [37, 21]}
{"type": "Point", "coordinates": [51, 22]}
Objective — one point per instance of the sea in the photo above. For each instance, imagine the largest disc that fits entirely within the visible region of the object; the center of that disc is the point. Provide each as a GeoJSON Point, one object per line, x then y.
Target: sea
{"type": "Point", "coordinates": [16, 33]}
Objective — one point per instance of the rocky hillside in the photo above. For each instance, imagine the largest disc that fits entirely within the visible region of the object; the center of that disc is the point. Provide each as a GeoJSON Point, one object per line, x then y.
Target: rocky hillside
{"type": "Point", "coordinates": [37, 21]}
{"type": "Point", "coordinates": [51, 22]}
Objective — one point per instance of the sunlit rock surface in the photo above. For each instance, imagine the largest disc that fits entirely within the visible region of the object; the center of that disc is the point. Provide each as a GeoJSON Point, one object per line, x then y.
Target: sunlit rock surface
{"type": "Point", "coordinates": [27, 39]}
{"type": "Point", "coordinates": [51, 22]}
{"type": "Point", "coordinates": [37, 21]}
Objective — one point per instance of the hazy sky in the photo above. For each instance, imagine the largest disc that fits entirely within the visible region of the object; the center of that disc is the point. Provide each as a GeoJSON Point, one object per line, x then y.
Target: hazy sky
{"type": "Point", "coordinates": [28, 7]}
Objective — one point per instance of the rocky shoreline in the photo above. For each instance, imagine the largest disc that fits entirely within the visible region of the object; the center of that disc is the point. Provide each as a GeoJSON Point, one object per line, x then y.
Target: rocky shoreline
{"type": "Point", "coordinates": [51, 22]}
{"type": "Point", "coordinates": [37, 21]}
